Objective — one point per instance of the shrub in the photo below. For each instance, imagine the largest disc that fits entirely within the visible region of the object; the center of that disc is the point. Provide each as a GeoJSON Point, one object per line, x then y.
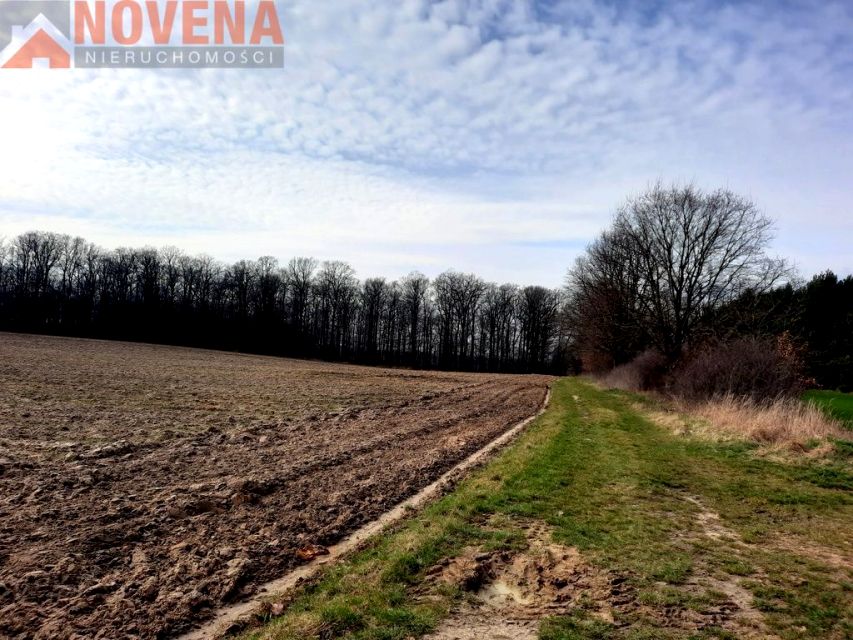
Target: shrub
{"type": "Point", "coordinates": [645, 372]}
{"type": "Point", "coordinates": [756, 368]}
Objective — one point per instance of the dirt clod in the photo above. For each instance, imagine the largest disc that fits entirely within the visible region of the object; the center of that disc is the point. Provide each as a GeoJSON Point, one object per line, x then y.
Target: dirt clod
{"type": "Point", "coordinates": [512, 592]}
{"type": "Point", "coordinates": [306, 554]}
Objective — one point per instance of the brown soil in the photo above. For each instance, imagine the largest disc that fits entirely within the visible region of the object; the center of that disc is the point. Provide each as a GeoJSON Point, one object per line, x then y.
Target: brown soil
{"type": "Point", "coordinates": [141, 486]}
{"type": "Point", "coordinates": [511, 593]}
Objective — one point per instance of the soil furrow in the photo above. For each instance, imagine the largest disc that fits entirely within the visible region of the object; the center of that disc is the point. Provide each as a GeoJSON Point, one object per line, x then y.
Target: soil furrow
{"type": "Point", "coordinates": [173, 481]}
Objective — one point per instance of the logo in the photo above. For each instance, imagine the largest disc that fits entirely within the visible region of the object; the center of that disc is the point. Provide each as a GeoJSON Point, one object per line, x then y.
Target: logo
{"type": "Point", "coordinates": [62, 34]}
{"type": "Point", "coordinates": [35, 33]}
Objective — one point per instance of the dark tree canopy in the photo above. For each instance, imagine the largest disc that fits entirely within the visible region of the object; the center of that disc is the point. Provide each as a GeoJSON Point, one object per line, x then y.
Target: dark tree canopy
{"type": "Point", "coordinates": [58, 284]}
{"type": "Point", "coordinates": [671, 255]}
{"type": "Point", "coordinates": [678, 268]}
{"type": "Point", "coordinates": [817, 315]}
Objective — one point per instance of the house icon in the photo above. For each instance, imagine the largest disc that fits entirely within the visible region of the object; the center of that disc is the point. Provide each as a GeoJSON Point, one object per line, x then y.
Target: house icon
{"type": "Point", "coordinates": [40, 40]}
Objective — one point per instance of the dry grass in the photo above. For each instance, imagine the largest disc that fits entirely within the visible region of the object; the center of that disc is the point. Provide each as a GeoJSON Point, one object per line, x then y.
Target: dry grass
{"type": "Point", "coordinates": [622, 378]}
{"type": "Point", "coordinates": [676, 417]}
{"type": "Point", "coordinates": [786, 422]}
{"type": "Point", "coordinates": [783, 423]}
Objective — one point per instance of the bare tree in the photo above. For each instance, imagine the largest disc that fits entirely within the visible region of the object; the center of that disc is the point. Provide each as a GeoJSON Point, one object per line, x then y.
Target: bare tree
{"type": "Point", "coordinates": [603, 311]}
{"type": "Point", "coordinates": [538, 317]}
{"type": "Point", "coordinates": [170, 259]}
{"type": "Point", "coordinates": [268, 285]}
{"type": "Point", "coordinates": [415, 289]}
{"type": "Point", "coordinates": [336, 287]}
{"type": "Point", "coordinates": [36, 256]}
{"type": "Point", "coordinates": [498, 327]}
{"type": "Point", "coordinates": [374, 294]}
{"type": "Point", "coordinates": [148, 278]}
{"type": "Point", "coordinates": [672, 254]}
{"type": "Point", "coordinates": [299, 276]}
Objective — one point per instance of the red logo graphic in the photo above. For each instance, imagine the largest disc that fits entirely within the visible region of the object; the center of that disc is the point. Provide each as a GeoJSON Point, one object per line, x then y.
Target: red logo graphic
{"type": "Point", "coordinates": [38, 41]}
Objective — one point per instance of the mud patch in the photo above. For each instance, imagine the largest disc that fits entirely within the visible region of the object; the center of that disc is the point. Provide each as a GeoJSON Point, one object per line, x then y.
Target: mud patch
{"type": "Point", "coordinates": [509, 593]}
{"type": "Point", "coordinates": [482, 626]}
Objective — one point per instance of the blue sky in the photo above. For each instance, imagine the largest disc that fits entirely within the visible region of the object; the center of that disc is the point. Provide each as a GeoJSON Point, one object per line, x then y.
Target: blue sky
{"type": "Point", "coordinates": [494, 136]}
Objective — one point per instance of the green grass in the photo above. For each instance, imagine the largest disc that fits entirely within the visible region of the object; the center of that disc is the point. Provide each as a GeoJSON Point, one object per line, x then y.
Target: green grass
{"type": "Point", "coordinates": [835, 403]}
{"type": "Point", "coordinates": [616, 486]}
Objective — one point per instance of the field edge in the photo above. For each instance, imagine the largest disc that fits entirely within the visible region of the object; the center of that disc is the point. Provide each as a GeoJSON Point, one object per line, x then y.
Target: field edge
{"type": "Point", "coordinates": [708, 540]}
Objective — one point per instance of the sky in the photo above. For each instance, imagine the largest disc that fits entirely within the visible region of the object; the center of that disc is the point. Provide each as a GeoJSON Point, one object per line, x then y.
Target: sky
{"type": "Point", "coordinates": [488, 136]}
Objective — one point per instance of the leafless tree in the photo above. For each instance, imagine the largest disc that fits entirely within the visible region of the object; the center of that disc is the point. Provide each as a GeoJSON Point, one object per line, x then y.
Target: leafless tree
{"type": "Point", "coordinates": [170, 257]}
{"type": "Point", "coordinates": [672, 254]}
{"type": "Point", "coordinates": [299, 275]}
{"type": "Point", "coordinates": [373, 299]}
{"type": "Point", "coordinates": [538, 308]}
{"type": "Point", "coordinates": [415, 289]}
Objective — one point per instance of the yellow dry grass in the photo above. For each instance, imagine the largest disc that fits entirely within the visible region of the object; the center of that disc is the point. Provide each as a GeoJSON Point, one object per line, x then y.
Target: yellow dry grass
{"type": "Point", "coordinates": [786, 422]}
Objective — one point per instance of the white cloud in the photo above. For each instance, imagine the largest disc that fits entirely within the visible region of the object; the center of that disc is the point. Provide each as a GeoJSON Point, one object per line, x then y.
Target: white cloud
{"type": "Point", "coordinates": [458, 133]}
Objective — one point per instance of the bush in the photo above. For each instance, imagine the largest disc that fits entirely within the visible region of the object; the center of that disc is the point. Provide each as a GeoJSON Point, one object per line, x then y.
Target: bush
{"type": "Point", "coordinates": [645, 372]}
{"type": "Point", "coordinates": [761, 369]}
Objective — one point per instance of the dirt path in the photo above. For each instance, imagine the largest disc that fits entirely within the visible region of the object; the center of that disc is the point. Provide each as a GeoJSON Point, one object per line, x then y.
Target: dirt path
{"type": "Point", "coordinates": [124, 533]}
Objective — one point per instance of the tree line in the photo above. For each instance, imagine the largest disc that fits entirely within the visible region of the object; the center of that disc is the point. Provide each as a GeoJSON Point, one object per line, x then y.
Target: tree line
{"type": "Point", "coordinates": [679, 272]}
{"type": "Point", "coordinates": [817, 315]}
{"type": "Point", "coordinates": [682, 272]}
{"type": "Point", "coordinates": [55, 283]}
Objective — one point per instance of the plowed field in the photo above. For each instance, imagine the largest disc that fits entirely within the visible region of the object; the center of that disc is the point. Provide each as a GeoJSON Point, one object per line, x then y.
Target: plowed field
{"type": "Point", "coordinates": [143, 486]}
